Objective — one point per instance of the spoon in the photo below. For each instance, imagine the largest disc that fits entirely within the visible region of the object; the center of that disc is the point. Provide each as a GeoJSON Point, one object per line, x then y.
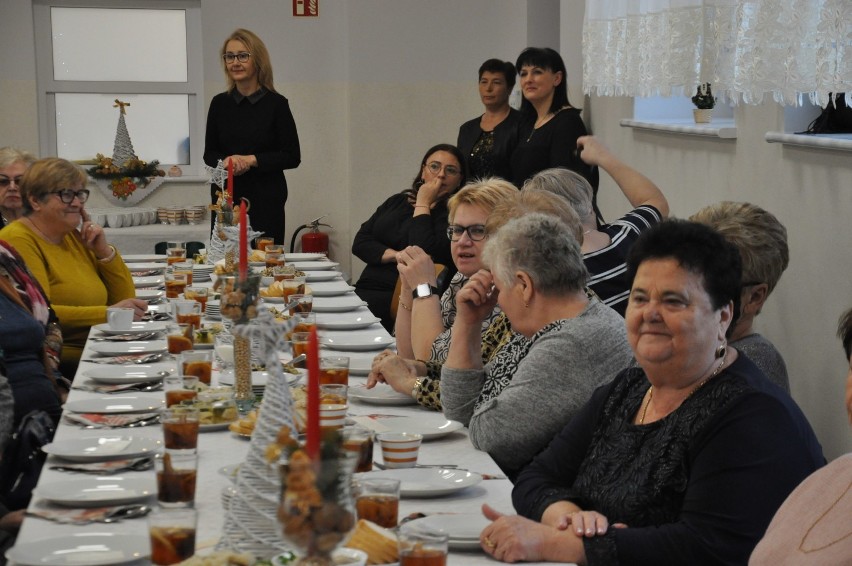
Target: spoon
{"type": "Point", "coordinates": [127, 512]}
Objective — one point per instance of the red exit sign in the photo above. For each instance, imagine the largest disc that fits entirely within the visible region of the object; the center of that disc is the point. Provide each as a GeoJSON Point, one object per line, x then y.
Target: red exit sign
{"type": "Point", "coordinates": [306, 8]}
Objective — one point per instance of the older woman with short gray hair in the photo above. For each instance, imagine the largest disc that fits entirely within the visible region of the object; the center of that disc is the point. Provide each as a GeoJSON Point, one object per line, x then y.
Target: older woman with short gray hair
{"type": "Point", "coordinates": [574, 342]}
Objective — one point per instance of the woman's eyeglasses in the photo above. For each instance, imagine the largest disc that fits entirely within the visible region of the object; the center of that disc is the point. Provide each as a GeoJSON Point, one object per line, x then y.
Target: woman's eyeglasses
{"type": "Point", "coordinates": [7, 181]}
{"type": "Point", "coordinates": [242, 57]}
{"type": "Point", "coordinates": [475, 232]}
{"type": "Point", "coordinates": [450, 170]}
{"type": "Point", "coordinates": [67, 195]}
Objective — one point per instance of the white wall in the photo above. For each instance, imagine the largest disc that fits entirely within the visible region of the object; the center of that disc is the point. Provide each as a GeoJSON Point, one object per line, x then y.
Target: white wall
{"type": "Point", "coordinates": [374, 83]}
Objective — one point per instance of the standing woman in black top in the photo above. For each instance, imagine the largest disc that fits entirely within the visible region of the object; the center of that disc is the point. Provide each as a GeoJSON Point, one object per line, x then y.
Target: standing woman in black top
{"type": "Point", "coordinates": [487, 142]}
{"type": "Point", "coordinates": [251, 126]}
{"type": "Point", "coordinates": [415, 217]}
{"type": "Point", "coordinates": [549, 136]}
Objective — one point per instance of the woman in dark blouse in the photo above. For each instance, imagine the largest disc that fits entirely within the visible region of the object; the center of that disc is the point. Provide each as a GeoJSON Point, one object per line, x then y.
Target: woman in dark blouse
{"type": "Point", "coordinates": [414, 217]}
{"type": "Point", "coordinates": [687, 455]}
{"type": "Point", "coordinates": [251, 126]}
{"type": "Point", "coordinates": [487, 141]}
{"type": "Point", "coordinates": [552, 125]}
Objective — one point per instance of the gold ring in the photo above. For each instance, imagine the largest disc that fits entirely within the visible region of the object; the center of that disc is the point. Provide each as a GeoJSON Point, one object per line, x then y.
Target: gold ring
{"type": "Point", "coordinates": [489, 543]}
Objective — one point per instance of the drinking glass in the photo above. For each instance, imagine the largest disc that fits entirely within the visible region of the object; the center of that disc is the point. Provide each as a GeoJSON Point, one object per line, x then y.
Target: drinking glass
{"type": "Point", "coordinates": [176, 478]}
{"type": "Point", "coordinates": [180, 428]}
{"type": "Point", "coordinates": [180, 388]}
{"type": "Point", "coordinates": [172, 533]}
{"type": "Point", "coordinates": [334, 369]}
{"type": "Point", "coordinates": [175, 284]}
{"type": "Point", "coordinates": [377, 500]}
{"type": "Point", "coordinates": [199, 295]}
{"type": "Point", "coordinates": [198, 363]}
{"type": "Point", "coordinates": [188, 312]}
{"type": "Point", "coordinates": [224, 347]}
{"type": "Point", "coordinates": [180, 337]}
{"type": "Point", "coordinates": [422, 547]}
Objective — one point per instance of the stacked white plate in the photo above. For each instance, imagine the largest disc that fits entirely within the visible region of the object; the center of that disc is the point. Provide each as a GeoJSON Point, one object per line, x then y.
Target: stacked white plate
{"type": "Point", "coordinates": [213, 309]}
{"type": "Point", "coordinates": [201, 271]}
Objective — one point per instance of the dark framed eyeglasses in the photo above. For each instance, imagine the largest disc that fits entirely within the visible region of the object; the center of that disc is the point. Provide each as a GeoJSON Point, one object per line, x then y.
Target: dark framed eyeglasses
{"type": "Point", "coordinates": [7, 181]}
{"type": "Point", "coordinates": [242, 57]}
{"type": "Point", "coordinates": [475, 232]}
{"type": "Point", "coordinates": [451, 170]}
{"type": "Point", "coordinates": [67, 195]}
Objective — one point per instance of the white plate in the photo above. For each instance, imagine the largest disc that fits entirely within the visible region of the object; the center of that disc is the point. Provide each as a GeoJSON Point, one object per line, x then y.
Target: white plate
{"type": "Point", "coordinates": [315, 265]}
{"type": "Point", "coordinates": [131, 258]}
{"type": "Point", "coordinates": [89, 548]}
{"type": "Point", "coordinates": [135, 328]}
{"type": "Point", "coordinates": [125, 348]}
{"type": "Point", "coordinates": [122, 375]}
{"type": "Point", "coordinates": [98, 491]}
{"type": "Point", "coordinates": [260, 378]}
{"type": "Point", "coordinates": [146, 266]}
{"type": "Point", "coordinates": [115, 404]}
{"type": "Point", "coordinates": [102, 448]}
{"type": "Point", "coordinates": [302, 256]}
{"type": "Point", "coordinates": [462, 529]}
{"type": "Point", "coordinates": [150, 281]}
{"type": "Point", "coordinates": [149, 294]}
{"type": "Point", "coordinates": [338, 304]}
{"type": "Point", "coordinates": [272, 300]}
{"type": "Point", "coordinates": [331, 288]}
{"type": "Point", "coordinates": [356, 342]}
{"type": "Point", "coordinates": [430, 424]}
{"type": "Point", "coordinates": [312, 276]}
{"type": "Point", "coordinates": [360, 365]}
{"type": "Point", "coordinates": [381, 394]}
{"type": "Point", "coordinates": [347, 321]}
{"type": "Point", "coordinates": [213, 427]}
{"type": "Point", "coordinates": [428, 482]}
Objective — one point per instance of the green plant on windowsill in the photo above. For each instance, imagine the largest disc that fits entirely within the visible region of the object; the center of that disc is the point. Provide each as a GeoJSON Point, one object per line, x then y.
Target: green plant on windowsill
{"type": "Point", "coordinates": [704, 99]}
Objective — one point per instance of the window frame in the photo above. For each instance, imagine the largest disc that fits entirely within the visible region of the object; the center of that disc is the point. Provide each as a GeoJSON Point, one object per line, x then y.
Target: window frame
{"type": "Point", "coordinates": [47, 87]}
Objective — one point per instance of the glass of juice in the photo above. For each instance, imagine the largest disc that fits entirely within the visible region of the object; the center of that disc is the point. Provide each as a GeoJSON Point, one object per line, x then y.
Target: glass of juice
{"type": "Point", "coordinates": [188, 312]}
{"type": "Point", "coordinates": [180, 337]}
{"type": "Point", "coordinates": [176, 478]}
{"type": "Point", "coordinates": [334, 369]}
{"type": "Point", "coordinates": [273, 258]}
{"type": "Point", "coordinates": [299, 341]}
{"type": "Point", "coordinates": [305, 321]}
{"type": "Point", "coordinates": [180, 428]}
{"type": "Point", "coordinates": [304, 303]}
{"type": "Point", "coordinates": [172, 533]}
{"type": "Point", "coordinates": [175, 285]}
{"type": "Point", "coordinates": [199, 295]}
{"type": "Point", "coordinates": [377, 500]}
{"type": "Point", "coordinates": [422, 547]}
{"type": "Point", "coordinates": [281, 272]}
{"type": "Point", "coordinates": [198, 363]}
{"type": "Point", "coordinates": [359, 439]}
{"type": "Point", "coordinates": [184, 267]}
{"type": "Point", "coordinates": [294, 286]}
{"type": "Point", "coordinates": [180, 388]}
{"type": "Point", "coordinates": [175, 255]}
{"type": "Point", "coordinates": [263, 242]}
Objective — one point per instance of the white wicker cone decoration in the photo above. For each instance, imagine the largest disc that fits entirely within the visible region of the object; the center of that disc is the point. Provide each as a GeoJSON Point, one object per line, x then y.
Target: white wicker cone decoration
{"type": "Point", "coordinates": [251, 523]}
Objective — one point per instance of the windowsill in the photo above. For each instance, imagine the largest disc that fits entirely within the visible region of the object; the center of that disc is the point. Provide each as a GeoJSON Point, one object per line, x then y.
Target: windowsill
{"type": "Point", "coordinates": [842, 142]}
{"type": "Point", "coordinates": [719, 128]}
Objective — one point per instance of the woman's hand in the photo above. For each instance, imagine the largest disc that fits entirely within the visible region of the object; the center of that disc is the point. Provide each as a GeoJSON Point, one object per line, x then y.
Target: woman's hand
{"type": "Point", "coordinates": [397, 372]}
{"type": "Point", "coordinates": [592, 151]}
{"type": "Point", "coordinates": [139, 307]}
{"type": "Point", "coordinates": [376, 377]}
{"type": "Point", "coordinates": [242, 163]}
{"type": "Point", "coordinates": [429, 192]}
{"type": "Point", "coordinates": [476, 300]}
{"type": "Point", "coordinates": [93, 236]}
{"type": "Point", "coordinates": [512, 538]}
{"type": "Point", "coordinates": [415, 266]}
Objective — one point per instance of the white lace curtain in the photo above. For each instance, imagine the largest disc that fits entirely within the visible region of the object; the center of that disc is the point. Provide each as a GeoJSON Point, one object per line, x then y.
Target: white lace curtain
{"type": "Point", "coordinates": [747, 49]}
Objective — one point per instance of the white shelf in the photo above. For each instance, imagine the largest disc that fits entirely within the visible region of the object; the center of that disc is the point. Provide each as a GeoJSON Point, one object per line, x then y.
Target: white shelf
{"type": "Point", "coordinates": [718, 128]}
{"type": "Point", "coordinates": [841, 142]}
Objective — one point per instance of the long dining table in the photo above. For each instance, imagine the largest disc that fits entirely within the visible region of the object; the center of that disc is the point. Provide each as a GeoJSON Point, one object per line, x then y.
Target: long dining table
{"type": "Point", "coordinates": [220, 451]}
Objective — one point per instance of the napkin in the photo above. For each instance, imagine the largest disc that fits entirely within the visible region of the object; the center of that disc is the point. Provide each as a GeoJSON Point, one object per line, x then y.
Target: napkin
{"type": "Point", "coordinates": [112, 467]}
{"type": "Point", "coordinates": [72, 516]}
{"type": "Point", "coordinates": [108, 421]}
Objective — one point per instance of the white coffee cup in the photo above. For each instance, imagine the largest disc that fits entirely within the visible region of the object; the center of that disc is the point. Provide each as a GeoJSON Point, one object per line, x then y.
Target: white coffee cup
{"type": "Point", "coordinates": [120, 318]}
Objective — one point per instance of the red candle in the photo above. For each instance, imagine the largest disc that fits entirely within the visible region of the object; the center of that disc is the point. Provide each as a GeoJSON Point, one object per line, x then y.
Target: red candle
{"type": "Point", "coordinates": [230, 185]}
{"type": "Point", "coordinates": [312, 442]}
{"type": "Point", "coordinates": [243, 241]}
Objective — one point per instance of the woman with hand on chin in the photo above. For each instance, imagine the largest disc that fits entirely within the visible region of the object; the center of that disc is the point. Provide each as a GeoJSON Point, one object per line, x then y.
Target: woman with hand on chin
{"type": "Point", "coordinates": [80, 272]}
{"type": "Point", "coordinates": [415, 217]}
{"type": "Point", "coordinates": [251, 126]}
{"type": "Point", "coordinates": [682, 459]}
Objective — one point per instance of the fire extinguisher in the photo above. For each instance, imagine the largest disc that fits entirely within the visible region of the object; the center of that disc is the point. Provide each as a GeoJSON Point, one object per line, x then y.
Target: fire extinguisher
{"type": "Point", "coordinates": [314, 241]}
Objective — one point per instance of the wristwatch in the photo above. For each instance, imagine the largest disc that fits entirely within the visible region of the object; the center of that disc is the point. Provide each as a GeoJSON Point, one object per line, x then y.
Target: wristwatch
{"type": "Point", "coordinates": [424, 290]}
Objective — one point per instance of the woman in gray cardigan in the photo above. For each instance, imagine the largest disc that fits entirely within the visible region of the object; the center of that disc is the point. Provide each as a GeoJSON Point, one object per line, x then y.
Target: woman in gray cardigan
{"type": "Point", "coordinates": [569, 343]}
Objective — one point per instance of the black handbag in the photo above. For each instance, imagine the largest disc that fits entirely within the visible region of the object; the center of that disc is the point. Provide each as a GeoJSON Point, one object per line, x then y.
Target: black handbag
{"type": "Point", "coordinates": [835, 118]}
{"type": "Point", "coordinates": [23, 459]}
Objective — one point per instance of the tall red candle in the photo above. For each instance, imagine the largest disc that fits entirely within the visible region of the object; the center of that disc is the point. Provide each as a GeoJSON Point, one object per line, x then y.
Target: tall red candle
{"type": "Point", "coordinates": [312, 442]}
{"type": "Point", "coordinates": [243, 241]}
{"type": "Point", "coordinates": [230, 185]}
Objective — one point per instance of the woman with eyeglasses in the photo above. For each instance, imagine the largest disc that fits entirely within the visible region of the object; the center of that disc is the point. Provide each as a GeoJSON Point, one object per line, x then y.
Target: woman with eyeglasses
{"type": "Point", "coordinates": [250, 126]}
{"type": "Point", "coordinates": [549, 138]}
{"type": "Point", "coordinates": [13, 163]}
{"type": "Point", "coordinates": [69, 255]}
{"type": "Point", "coordinates": [415, 217]}
{"type": "Point", "coordinates": [423, 324]}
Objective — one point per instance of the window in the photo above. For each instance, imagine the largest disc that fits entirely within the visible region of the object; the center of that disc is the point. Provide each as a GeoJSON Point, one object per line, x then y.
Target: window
{"type": "Point", "coordinates": [147, 53]}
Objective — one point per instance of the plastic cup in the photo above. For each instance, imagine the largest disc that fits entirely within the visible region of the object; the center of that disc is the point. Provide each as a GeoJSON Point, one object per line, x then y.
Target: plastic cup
{"type": "Point", "coordinates": [172, 533]}
{"type": "Point", "coordinates": [400, 449]}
